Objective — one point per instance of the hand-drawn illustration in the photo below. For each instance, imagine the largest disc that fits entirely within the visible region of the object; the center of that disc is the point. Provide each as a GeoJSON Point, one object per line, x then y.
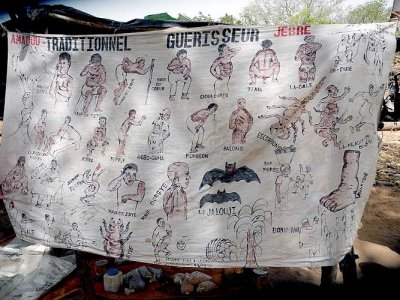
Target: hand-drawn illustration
{"type": "Point", "coordinates": [160, 132]}
{"type": "Point", "coordinates": [16, 179]}
{"type": "Point", "coordinates": [265, 64]}
{"type": "Point", "coordinates": [326, 128]}
{"type": "Point", "coordinates": [113, 237]}
{"type": "Point", "coordinates": [123, 130]}
{"type": "Point", "coordinates": [240, 122]}
{"type": "Point", "coordinates": [307, 234]}
{"type": "Point", "coordinates": [61, 86]}
{"type": "Point", "coordinates": [332, 97]}
{"type": "Point", "coordinates": [195, 123]}
{"type": "Point", "coordinates": [62, 139]}
{"type": "Point", "coordinates": [27, 224]}
{"type": "Point", "coordinates": [230, 174]}
{"type": "Point", "coordinates": [366, 110]}
{"type": "Point", "coordinates": [129, 67]}
{"type": "Point", "coordinates": [26, 119]}
{"type": "Point", "coordinates": [222, 68]}
{"type": "Point", "coordinates": [329, 110]}
{"type": "Point", "coordinates": [292, 114]}
{"type": "Point", "coordinates": [48, 228]}
{"type": "Point", "coordinates": [127, 186]}
{"type": "Point", "coordinates": [250, 222]}
{"type": "Point", "coordinates": [374, 52]}
{"type": "Point", "coordinates": [73, 238]}
{"type": "Point", "coordinates": [345, 194]}
{"type": "Point", "coordinates": [307, 53]}
{"type": "Point", "coordinates": [303, 181]}
{"type": "Point", "coordinates": [40, 129]}
{"type": "Point", "coordinates": [30, 65]}
{"type": "Point", "coordinates": [282, 184]}
{"type": "Point", "coordinates": [47, 185]}
{"type": "Point", "coordinates": [219, 197]}
{"type": "Point", "coordinates": [175, 198]}
{"type": "Point", "coordinates": [284, 155]}
{"type": "Point", "coordinates": [161, 238]}
{"type": "Point", "coordinates": [222, 250]}
{"type": "Point", "coordinates": [92, 180]}
{"type": "Point", "coordinates": [99, 141]}
{"type": "Point", "coordinates": [347, 49]}
{"type": "Point", "coordinates": [93, 88]}
{"type": "Point", "coordinates": [180, 68]}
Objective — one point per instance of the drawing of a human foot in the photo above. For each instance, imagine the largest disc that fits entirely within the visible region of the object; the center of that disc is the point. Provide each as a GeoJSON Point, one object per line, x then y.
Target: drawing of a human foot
{"type": "Point", "coordinates": [345, 194]}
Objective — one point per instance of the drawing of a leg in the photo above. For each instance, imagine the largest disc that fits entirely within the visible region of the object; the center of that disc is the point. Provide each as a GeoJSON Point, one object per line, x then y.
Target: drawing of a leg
{"type": "Point", "coordinates": [253, 77]}
{"type": "Point", "coordinates": [185, 89]}
{"type": "Point", "coordinates": [302, 75]}
{"type": "Point", "coordinates": [101, 94]}
{"type": "Point", "coordinates": [172, 90]}
{"type": "Point", "coordinates": [88, 99]}
{"type": "Point", "coordinates": [311, 74]}
{"type": "Point", "coordinates": [199, 144]}
{"type": "Point", "coordinates": [119, 90]}
{"type": "Point", "coordinates": [345, 194]}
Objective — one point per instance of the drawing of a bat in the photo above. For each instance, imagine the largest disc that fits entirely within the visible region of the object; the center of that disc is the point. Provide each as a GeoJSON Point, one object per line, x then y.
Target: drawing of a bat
{"type": "Point", "coordinates": [219, 197]}
{"type": "Point", "coordinates": [230, 174]}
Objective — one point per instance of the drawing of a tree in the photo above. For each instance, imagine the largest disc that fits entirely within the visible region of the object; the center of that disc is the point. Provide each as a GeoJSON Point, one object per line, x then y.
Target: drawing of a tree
{"type": "Point", "coordinates": [250, 223]}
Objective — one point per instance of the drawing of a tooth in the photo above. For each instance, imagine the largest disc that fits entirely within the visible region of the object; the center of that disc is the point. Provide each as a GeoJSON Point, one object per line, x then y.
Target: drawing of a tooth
{"type": "Point", "coordinates": [345, 194]}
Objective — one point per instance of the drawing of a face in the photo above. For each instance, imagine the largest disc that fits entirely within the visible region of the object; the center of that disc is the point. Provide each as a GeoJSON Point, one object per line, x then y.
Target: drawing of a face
{"type": "Point", "coordinates": [332, 90]}
{"type": "Point", "coordinates": [285, 169]}
{"type": "Point", "coordinates": [161, 222]}
{"type": "Point", "coordinates": [102, 122]}
{"type": "Point", "coordinates": [62, 66]}
{"type": "Point", "coordinates": [182, 56]}
{"type": "Point", "coordinates": [241, 103]}
{"type": "Point", "coordinates": [132, 114]}
{"type": "Point", "coordinates": [130, 176]}
{"type": "Point", "coordinates": [183, 180]}
{"type": "Point", "coordinates": [166, 116]}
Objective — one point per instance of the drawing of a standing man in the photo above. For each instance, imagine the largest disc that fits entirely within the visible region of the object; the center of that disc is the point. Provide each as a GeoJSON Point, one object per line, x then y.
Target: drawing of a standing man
{"type": "Point", "coordinates": [240, 122]}
{"type": "Point", "coordinates": [307, 53]}
{"type": "Point", "coordinates": [180, 68]}
{"type": "Point", "coordinates": [161, 238]}
{"type": "Point", "coordinates": [222, 68]}
{"type": "Point", "coordinates": [123, 130]}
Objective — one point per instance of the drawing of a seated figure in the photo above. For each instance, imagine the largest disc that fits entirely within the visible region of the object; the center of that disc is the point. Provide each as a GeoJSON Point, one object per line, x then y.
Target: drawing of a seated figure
{"type": "Point", "coordinates": [47, 185]}
{"type": "Point", "coordinates": [99, 141]}
{"type": "Point", "coordinates": [65, 137]}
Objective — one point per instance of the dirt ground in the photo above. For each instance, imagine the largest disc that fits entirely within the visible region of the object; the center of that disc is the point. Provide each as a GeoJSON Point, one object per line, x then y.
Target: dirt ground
{"type": "Point", "coordinates": [378, 241]}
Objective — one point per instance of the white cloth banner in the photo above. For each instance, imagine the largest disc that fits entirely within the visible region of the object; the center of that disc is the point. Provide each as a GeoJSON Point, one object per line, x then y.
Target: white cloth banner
{"type": "Point", "coordinates": [211, 147]}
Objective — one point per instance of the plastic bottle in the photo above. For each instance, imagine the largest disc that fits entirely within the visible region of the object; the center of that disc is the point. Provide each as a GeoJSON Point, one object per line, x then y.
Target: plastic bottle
{"type": "Point", "coordinates": [113, 280]}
